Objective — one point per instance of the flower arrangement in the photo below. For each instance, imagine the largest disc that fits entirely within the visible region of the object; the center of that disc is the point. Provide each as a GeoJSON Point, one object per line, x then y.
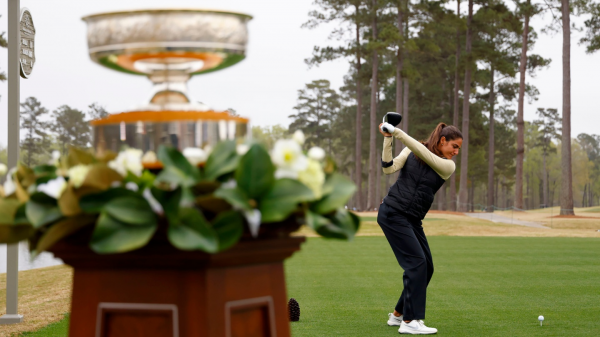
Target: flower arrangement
{"type": "Point", "coordinates": [205, 199]}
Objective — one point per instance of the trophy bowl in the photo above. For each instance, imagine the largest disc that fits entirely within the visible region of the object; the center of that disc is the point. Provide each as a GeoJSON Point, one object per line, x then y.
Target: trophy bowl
{"type": "Point", "coordinates": [168, 46]}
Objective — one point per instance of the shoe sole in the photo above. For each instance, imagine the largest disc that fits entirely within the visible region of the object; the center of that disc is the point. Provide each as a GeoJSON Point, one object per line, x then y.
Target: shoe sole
{"type": "Point", "coordinates": [417, 333]}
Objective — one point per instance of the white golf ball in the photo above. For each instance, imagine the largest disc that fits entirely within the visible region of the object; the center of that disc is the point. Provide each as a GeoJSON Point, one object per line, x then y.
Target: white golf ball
{"type": "Point", "coordinates": [541, 318]}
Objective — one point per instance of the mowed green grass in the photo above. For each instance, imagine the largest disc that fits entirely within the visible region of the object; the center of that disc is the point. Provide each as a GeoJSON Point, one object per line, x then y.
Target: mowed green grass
{"type": "Point", "coordinates": [482, 286]}
{"type": "Point", "coordinates": [58, 329]}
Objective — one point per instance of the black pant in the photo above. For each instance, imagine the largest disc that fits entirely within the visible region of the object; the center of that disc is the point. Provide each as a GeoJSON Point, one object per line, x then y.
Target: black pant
{"type": "Point", "coordinates": [408, 241]}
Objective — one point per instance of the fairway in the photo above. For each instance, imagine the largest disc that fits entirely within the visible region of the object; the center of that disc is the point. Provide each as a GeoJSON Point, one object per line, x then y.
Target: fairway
{"type": "Point", "coordinates": [482, 286]}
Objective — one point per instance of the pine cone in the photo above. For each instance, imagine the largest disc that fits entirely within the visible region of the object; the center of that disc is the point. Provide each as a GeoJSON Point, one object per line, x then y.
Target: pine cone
{"type": "Point", "coordinates": [294, 310]}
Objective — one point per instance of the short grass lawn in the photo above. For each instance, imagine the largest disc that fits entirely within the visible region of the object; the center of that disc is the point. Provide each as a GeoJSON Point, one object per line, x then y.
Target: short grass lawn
{"type": "Point", "coordinates": [482, 286]}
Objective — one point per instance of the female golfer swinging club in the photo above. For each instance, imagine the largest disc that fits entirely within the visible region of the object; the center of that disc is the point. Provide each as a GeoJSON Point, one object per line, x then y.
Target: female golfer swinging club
{"type": "Point", "coordinates": [424, 167]}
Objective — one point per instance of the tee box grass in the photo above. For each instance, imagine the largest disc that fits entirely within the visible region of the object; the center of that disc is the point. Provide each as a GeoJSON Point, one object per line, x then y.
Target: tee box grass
{"type": "Point", "coordinates": [482, 286]}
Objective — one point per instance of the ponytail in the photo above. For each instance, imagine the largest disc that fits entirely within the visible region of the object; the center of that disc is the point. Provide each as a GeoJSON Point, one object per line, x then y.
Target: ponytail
{"type": "Point", "coordinates": [450, 132]}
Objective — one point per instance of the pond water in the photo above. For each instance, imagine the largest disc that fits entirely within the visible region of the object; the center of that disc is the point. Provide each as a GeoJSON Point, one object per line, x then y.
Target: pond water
{"type": "Point", "coordinates": [25, 261]}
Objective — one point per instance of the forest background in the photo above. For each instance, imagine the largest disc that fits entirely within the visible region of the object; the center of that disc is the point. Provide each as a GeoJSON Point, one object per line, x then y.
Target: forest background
{"type": "Point", "coordinates": [432, 62]}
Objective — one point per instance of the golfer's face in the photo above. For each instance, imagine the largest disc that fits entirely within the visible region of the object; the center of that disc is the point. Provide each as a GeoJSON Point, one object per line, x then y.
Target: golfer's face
{"type": "Point", "coordinates": [450, 148]}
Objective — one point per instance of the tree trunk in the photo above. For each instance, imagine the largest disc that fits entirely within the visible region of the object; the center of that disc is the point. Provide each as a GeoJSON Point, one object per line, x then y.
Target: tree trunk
{"type": "Point", "coordinates": [566, 193]}
{"type": "Point", "coordinates": [491, 150]}
{"type": "Point", "coordinates": [372, 198]}
{"type": "Point", "coordinates": [545, 182]}
{"type": "Point", "coordinates": [464, 158]}
{"type": "Point", "coordinates": [399, 66]}
{"type": "Point", "coordinates": [378, 183]}
{"type": "Point", "coordinates": [405, 108]}
{"type": "Point", "coordinates": [520, 121]}
{"type": "Point", "coordinates": [358, 150]}
{"type": "Point", "coordinates": [455, 116]}
{"type": "Point", "coordinates": [584, 197]}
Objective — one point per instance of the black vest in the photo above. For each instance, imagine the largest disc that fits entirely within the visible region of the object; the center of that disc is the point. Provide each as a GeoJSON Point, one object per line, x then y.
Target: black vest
{"type": "Point", "coordinates": [413, 192]}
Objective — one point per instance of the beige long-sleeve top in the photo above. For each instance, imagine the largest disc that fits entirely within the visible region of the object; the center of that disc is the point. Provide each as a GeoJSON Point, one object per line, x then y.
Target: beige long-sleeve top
{"type": "Point", "coordinates": [442, 166]}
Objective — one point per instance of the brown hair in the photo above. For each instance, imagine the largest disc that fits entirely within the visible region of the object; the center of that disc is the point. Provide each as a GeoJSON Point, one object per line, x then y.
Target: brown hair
{"type": "Point", "coordinates": [450, 132]}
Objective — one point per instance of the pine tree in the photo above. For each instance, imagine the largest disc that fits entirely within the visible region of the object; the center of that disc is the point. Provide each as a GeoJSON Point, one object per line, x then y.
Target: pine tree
{"type": "Point", "coordinates": [71, 128]}
{"type": "Point", "coordinates": [97, 111]}
{"type": "Point", "coordinates": [36, 139]}
{"type": "Point", "coordinates": [318, 105]}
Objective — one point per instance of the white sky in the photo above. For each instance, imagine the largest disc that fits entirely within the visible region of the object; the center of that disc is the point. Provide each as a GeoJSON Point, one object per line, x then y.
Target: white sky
{"type": "Point", "coordinates": [264, 86]}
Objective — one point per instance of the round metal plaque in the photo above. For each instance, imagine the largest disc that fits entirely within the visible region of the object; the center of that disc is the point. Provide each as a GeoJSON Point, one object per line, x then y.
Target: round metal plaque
{"type": "Point", "coordinates": [27, 45]}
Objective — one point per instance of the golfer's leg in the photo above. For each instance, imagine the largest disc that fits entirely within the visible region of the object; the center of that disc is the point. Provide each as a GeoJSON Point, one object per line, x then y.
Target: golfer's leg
{"type": "Point", "coordinates": [425, 246]}
{"type": "Point", "coordinates": [410, 256]}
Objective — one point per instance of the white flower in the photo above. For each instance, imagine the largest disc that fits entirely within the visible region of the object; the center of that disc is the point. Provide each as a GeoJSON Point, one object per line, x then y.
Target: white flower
{"type": "Point", "coordinates": [316, 153]}
{"type": "Point", "coordinates": [253, 218]}
{"type": "Point", "coordinates": [149, 157]}
{"type": "Point", "coordinates": [313, 177]}
{"type": "Point", "coordinates": [242, 149]}
{"type": "Point", "coordinates": [54, 187]}
{"type": "Point", "coordinates": [195, 155]}
{"type": "Point", "coordinates": [128, 160]}
{"type": "Point", "coordinates": [132, 186]}
{"type": "Point", "coordinates": [77, 174]}
{"type": "Point", "coordinates": [9, 187]}
{"type": "Point", "coordinates": [288, 157]}
{"type": "Point", "coordinates": [230, 184]}
{"type": "Point", "coordinates": [55, 158]}
{"type": "Point", "coordinates": [154, 204]}
{"type": "Point", "coordinates": [3, 169]}
{"type": "Point", "coordinates": [298, 137]}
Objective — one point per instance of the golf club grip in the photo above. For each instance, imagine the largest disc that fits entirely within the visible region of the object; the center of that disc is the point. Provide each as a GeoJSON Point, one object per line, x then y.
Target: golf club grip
{"type": "Point", "coordinates": [384, 129]}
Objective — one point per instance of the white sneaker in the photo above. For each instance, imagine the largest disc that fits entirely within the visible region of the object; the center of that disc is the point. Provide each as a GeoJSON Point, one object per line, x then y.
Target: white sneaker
{"type": "Point", "coordinates": [416, 327]}
{"type": "Point", "coordinates": [393, 320]}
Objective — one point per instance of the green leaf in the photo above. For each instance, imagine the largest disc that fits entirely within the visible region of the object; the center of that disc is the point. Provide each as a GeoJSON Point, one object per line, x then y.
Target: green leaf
{"type": "Point", "coordinates": [133, 210]}
{"type": "Point", "coordinates": [347, 221]}
{"type": "Point", "coordinates": [45, 170]}
{"type": "Point", "coordinates": [222, 160]}
{"type": "Point", "coordinates": [94, 203]}
{"type": "Point", "coordinates": [177, 169]}
{"type": "Point", "coordinates": [339, 189]}
{"type": "Point", "coordinates": [327, 227]}
{"type": "Point", "coordinates": [20, 216]}
{"type": "Point", "coordinates": [62, 229]}
{"type": "Point", "coordinates": [8, 209]}
{"type": "Point", "coordinates": [212, 203]}
{"type": "Point", "coordinates": [114, 236]}
{"type": "Point", "coordinates": [235, 196]}
{"type": "Point", "coordinates": [193, 232]}
{"type": "Point", "coordinates": [255, 174]}
{"type": "Point", "coordinates": [169, 200]}
{"type": "Point", "coordinates": [283, 198]}
{"type": "Point", "coordinates": [15, 233]}
{"type": "Point", "coordinates": [42, 209]}
{"type": "Point", "coordinates": [229, 227]}
{"type": "Point", "coordinates": [79, 157]}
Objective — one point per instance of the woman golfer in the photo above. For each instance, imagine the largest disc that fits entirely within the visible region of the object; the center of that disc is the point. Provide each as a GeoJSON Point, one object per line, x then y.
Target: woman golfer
{"type": "Point", "coordinates": [424, 167]}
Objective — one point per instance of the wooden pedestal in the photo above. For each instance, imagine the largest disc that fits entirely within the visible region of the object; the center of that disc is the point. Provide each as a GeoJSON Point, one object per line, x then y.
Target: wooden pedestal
{"type": "Point", "coordinates": [161, 291]}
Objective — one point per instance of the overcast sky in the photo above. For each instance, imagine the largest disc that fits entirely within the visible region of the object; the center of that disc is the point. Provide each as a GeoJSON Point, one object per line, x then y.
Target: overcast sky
{"type": "Point", "coordinates": [264, 86]}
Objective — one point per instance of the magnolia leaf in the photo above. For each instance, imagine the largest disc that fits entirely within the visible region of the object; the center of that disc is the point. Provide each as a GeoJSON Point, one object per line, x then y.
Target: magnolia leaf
{"type": "Point", "coordinates": [132, 210]}
{"type": "Point", "coordinates": [42, 209]}
{"type": "Point", "coordinates": [25, 176]}
{"type": "Point", "coordinates": [205, 187]}
{"type": "Point", "coordinates": [101, 177]}
{"type": "Point", "coordinates": [69, 202]}
{"type": "Point", "coordinates": [20, 191]}
{"type": "Point", "coordinates": [347, 221]}
{"type": "Point", "coordinates": [61, 229]}
{"type": "Point", "coordinates": [106, 156]}
{"type": "Point", "coordinates": [15, 233]}
{"type": "Point", "coordinates": [212, 203]}
{"type": "Point", "coordinates": [8, 209]}
{"type": "Point", "coordinates": [94, 203]}
{"type": "Point", "coordinates": [113, 236]}
{"type": "Point", "coordinates": [20, 216]}
{"type": "Point", "coordinates": [177, 169]}
{"type": "Point", "coordinates": [45, 170]}
{"type": "Point", "coordinates": [255, 174]}
{"type": "Point", "coordinates": [283, 198]}
{"type": "Point", "coordinates": [79, 157]}
{"type": "Point", "coordinates": [169, 200]}
{"type": "Point", "coordinates": [229, 227]}
{"type": "Point", "coordinates": [338, 191]}
{"type": "Point", "coordinates": [325, 226]}
{"type": "Point", "coordinates": [234, 196]}
{"type": "Point", "coordinates": [193, 232]}
{"type": "Point", "coordinates": [222, 160]}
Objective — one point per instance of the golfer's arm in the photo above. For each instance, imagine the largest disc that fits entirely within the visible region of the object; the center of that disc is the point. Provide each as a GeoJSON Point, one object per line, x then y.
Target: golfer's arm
{"type": "Point", "coordinates": [443, 167]}
{"type": "Point", "coordinates": [388, 163]}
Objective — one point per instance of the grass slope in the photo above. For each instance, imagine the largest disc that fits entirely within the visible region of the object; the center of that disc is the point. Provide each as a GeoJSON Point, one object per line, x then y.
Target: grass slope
{"type": "Point", "coordinates": [482, 286]}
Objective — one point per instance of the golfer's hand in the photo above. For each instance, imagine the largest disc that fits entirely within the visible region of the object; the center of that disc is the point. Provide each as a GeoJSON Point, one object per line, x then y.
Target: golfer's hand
{"type": "Point", "coordinates": [388, 126]}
